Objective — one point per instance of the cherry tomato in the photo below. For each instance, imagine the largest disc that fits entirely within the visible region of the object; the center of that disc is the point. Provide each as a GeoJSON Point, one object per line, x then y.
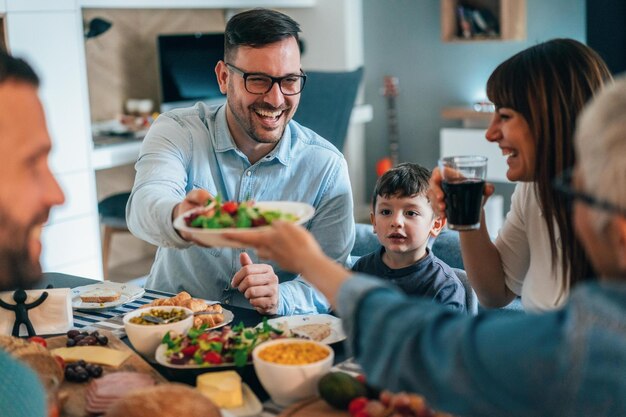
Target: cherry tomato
{"type": "Point", "coordinates": [39, 340]}
{"type": "Point", "coordinates": [229, 207]}
{"type": "Point", "coordinates": [212, 357]}
{"type": "Point", "coordinates": [357, 405]}
{"type": "Point", "coordinates": [189, 350]}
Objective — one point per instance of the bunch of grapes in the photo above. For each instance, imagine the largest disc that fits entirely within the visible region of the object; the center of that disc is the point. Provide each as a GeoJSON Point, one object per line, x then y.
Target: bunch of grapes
{"type": "Point", "coordinates": [78, 338]}
{"type": "Point", "coordinates": [81, 371]}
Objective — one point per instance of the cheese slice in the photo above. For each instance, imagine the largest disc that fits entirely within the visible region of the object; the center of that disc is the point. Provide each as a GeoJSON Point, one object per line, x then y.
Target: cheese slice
{"type": "Point", "coordinates": [92, 354]}
{"type": "Point", "coordinates": [223, 388]}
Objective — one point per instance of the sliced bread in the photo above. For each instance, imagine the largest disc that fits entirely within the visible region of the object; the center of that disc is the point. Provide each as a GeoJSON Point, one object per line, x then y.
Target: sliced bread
{"type": "Point", "coordinates": [100, 295]}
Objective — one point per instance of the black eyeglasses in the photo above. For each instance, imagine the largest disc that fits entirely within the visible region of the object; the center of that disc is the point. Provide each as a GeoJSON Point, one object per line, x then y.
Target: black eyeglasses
{"type": "Point", "coordinates": [563, 184]}
{"type": "Point", "coordinates": [259, 83]}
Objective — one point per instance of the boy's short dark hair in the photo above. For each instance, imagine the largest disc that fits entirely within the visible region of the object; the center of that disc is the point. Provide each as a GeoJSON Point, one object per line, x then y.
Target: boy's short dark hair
{"type": "Point", "coordinates": [256, 28]}
{"type": "Point", "coordinates": [404, 180]}
{"type": "Point", "coordinates": [16, 69]}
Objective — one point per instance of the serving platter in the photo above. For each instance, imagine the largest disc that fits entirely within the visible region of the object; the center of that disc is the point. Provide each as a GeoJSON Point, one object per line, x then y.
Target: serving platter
{"type": "Point", "coordinates": [73, 394]}
{"type": "Point", "coordinates": [213, 237]}
{"type": "Point", "coordinates": [128, 293]}
{"type": "Point", "coordinates": [290, 322]}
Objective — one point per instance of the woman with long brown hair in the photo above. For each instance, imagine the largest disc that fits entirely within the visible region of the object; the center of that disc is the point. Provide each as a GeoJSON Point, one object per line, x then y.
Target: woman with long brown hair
{"type": "Point", "coordinates": [538, 93]}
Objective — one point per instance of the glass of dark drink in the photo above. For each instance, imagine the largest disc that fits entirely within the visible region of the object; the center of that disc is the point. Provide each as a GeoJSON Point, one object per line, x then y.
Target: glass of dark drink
{"type": "Point", "coordinates": [463, 185]}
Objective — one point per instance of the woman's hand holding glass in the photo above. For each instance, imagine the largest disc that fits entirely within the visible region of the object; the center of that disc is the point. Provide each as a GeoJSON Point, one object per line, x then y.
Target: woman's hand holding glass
{"type": "Point", "coordinates": [437, 196]}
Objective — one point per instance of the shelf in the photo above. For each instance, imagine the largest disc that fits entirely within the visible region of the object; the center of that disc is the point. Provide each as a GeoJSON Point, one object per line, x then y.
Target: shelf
{"type": "Point", "coordinates": [461, 113]}
{"type": "Point", "coordinates": [511, 16]}
{"type": "Point", "coordinates": [114, 155]}
{"type": "Point", "coordinates": [469, 116]}
{"type": "Point", "coordinates": [192, 4]}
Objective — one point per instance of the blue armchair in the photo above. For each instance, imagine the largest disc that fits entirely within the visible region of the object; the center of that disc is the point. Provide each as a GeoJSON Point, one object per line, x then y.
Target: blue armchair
{"type": "Point", "coordinates": [326, 103]}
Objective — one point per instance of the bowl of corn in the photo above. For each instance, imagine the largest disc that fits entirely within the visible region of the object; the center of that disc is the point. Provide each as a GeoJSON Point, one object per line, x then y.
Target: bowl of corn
{"type": "Point", "coordinates": [297, 363]}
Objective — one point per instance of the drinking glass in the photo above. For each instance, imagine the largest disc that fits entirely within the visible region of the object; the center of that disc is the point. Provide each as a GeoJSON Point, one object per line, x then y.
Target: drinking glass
{"type": "Point", "coordinates": [463, 184]}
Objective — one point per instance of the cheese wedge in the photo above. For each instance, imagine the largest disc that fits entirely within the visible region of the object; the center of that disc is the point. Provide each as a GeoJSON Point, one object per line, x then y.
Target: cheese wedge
{"type": "Point", "coordinates": [92, 354]}
{"type": "Point", "coordinates": [223, 388]}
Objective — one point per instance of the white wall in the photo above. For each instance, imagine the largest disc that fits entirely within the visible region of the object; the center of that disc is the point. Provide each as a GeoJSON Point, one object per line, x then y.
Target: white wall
{"type": "Point", "coordinates": [49, 36]}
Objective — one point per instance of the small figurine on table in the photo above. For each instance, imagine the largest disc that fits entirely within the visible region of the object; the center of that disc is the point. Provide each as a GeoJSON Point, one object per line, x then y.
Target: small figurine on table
{"type": "Point", "coordinates": [21, 311]}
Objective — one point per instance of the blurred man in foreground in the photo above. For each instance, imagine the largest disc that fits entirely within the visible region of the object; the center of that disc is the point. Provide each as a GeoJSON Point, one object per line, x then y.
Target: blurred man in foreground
{"type": "Point", "coordinates": [568, 363]}
{"type": "Point", "coordinates": [27, 192]}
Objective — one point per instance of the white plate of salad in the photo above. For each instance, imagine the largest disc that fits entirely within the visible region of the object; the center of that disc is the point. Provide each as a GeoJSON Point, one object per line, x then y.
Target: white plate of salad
{"type": "Point", "coordinates": [207, 224]}
{"type": "Point", "coordinates": [222, 348]}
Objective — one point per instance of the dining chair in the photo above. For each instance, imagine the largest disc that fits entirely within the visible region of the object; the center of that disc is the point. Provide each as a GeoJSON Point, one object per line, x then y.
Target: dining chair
{"type": "Point", "coordinates": [326, 103]}
{"type": "Point", "coordinates": [112, 210]}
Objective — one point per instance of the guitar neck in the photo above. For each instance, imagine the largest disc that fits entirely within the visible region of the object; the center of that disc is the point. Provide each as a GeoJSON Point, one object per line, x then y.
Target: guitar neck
{"type": "Point", "coordinates": [392, 130]}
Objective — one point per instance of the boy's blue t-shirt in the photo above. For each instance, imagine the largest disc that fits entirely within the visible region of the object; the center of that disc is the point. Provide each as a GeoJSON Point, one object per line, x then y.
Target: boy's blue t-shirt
{"type": "Point", "coordinates": [429, 277]}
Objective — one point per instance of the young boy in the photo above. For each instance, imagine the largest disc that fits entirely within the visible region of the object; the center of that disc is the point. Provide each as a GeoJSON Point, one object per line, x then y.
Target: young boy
{"type": "Point", "coordinates": [404, 221]}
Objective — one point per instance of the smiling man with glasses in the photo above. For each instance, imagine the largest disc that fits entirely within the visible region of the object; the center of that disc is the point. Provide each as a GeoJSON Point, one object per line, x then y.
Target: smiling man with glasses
{"type": "Point", "coordinates": [249, 148]}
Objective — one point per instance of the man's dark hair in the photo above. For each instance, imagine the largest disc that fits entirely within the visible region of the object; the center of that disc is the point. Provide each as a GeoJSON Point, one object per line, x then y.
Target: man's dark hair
{"type": "Point", "coordinates": [404, 180]}
{"type": "Point", "coordinates": [16, 69]}
{"type": "Point", "coordinates": [257, 28]}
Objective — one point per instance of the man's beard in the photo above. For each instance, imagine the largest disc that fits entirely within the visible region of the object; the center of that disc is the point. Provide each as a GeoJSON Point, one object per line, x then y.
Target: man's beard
{"type": "Point", "coordinates": [17, 269]}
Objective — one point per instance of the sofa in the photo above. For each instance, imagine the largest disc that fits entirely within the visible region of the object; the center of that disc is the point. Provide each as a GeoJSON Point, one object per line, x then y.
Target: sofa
{"type": "Point", "coordinates": [446, 247]}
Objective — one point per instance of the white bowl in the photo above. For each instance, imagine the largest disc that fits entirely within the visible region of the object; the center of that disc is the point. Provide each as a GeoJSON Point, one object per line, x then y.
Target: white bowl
{"type": "Point", "coordinates": [213, 237]}
{"type": "Point", "coordinates": [146, 338]}
{"type": "Point", "coordinates": [287, 384]}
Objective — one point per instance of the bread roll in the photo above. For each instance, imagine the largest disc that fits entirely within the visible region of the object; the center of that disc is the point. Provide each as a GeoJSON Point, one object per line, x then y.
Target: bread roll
{"type": "Point", "coordinates": [44, 364]}
{"type": "Point", "coordinates": [210, 320]}
{"type": "Point", "coordinates": [160, 302]}
{"type": "Point", "coordinates": [180, 297]}
{"type": "Point", "coordinates": [164, 400]}
{"type": "Point", "coordinates": [35, 356]}
{"type": "Point", "coordinates": [18, 347]}
{"type": "Point", "coordinates": [194, 304]}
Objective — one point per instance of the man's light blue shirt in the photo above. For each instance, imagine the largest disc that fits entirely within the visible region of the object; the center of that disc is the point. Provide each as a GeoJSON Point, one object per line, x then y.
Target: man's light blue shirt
{"type": "Point", "coordinates": [192, 148]}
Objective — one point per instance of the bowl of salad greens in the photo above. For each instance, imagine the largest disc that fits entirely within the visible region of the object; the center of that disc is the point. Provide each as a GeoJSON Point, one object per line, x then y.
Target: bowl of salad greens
{"type": "Point", "coordinates": [207, 224]}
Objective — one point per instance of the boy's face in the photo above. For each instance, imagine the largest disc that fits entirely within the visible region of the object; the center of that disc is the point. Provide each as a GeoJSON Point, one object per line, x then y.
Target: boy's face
{"type": "Point", "coordinates": [404, 224]}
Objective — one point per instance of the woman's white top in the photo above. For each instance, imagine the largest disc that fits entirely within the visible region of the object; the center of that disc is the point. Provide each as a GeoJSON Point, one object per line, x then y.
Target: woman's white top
{"type": "Point", "coordinates": [524, 247]}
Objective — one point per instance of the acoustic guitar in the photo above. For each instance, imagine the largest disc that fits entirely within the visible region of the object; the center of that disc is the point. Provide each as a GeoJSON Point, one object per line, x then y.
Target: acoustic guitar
{"type": "Point", "coordinates": [390, 91]}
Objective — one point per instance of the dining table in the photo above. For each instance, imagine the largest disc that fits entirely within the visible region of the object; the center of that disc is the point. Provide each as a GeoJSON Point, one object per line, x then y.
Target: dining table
{"type": "Point", "coordinates": [111, 321]}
